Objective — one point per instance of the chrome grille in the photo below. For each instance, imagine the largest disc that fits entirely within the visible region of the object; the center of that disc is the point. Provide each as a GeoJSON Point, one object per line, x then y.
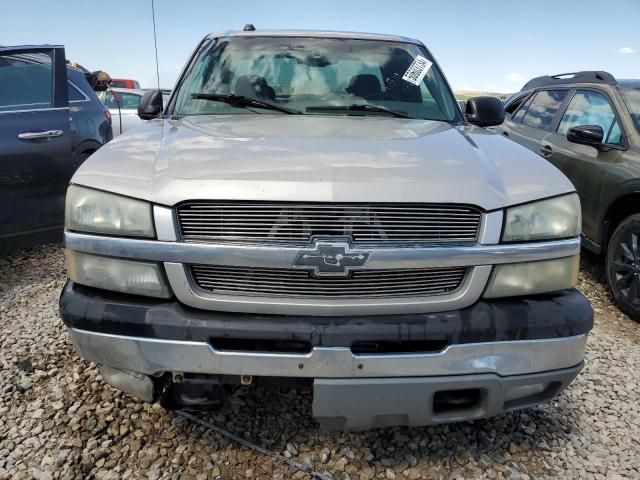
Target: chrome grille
{"type": "Point", "coordinates": [225, 280]}
{"type": "Point", "coordinates": [296, 222]}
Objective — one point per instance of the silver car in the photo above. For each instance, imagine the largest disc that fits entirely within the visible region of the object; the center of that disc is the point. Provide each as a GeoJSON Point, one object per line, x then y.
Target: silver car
{"type": "Point", "coordinates": [313, 209]}
{"type": "Point", "coordinates": [123, 106]}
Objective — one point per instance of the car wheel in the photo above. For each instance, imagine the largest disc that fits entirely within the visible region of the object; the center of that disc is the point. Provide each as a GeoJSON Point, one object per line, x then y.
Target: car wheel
{"type": "Point", "coordinates": [623, 266]}
{"type": "Point", "coordinates": [81, 158]}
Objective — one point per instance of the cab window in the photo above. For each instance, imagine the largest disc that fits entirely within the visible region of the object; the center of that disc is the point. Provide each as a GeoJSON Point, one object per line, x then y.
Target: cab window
{"type": "Point", "coordinates": [591, 108]}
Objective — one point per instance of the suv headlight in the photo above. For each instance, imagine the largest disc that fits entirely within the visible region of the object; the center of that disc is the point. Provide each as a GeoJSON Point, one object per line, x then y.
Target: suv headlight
{"type": "Point", "coordinates": [93, 211]}
{"type": "Point", "coordinates": [557, 217]}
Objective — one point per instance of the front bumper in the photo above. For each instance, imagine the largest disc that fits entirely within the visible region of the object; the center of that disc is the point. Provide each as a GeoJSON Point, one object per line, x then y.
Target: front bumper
{"type": "Point", "coordinates": [491, 348]}
{"type": "Point", "coordinates": [505, 337]}
{"type": "Point", "coordinates": [155, 356]}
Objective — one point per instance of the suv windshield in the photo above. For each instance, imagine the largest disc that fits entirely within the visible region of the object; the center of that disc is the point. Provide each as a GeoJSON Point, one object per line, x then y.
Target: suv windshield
{"type": "Point", "coordinates": [631, 98]}
{"type": "Point", "coordinates": [315, 76]}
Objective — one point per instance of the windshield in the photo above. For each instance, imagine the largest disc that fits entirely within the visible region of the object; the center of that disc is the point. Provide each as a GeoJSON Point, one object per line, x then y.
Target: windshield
{"type": "Point", "coordinates": [310, 74]}
{"type": "Point", "coordinates": [631, 98]}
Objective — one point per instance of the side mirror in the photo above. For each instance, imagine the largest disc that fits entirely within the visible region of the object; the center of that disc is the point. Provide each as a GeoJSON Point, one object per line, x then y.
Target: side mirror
{"type": "Point", "coordinates": [150, 105]}
{"type": "Point", "coordinates": [484, 111]}
{"type": "Point", "coordinates": [587, 135]}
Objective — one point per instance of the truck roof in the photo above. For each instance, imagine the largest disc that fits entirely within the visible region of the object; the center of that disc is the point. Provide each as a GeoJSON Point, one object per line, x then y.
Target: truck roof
{"type": "Point", "coordinates": [314, 33]}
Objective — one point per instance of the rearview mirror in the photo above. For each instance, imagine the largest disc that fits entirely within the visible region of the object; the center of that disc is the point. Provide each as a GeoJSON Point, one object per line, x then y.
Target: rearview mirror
{"type": "Point", "coordinates": [484, 111]}
{"type": "Point", "coordinates": [587, 135]}
{"type": "Point", "coordinates": [150, 105]}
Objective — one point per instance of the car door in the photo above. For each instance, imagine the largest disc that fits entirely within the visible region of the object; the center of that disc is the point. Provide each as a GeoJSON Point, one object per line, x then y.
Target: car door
{"type": "Point", "coordinates": [123, 107]}
{"type": "Point", "coordinates": [586, 166]}
{"type": "Point", "coordinates": [35, 147]}
{"type": "Point", "coordinates": [531, 123]}
{"type": "Point", "coordinates": [129, 109]}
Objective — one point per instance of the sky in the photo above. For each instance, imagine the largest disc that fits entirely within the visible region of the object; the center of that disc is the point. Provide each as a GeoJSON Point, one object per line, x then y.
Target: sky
{"type": "Point", "coordinates": [492, 46]}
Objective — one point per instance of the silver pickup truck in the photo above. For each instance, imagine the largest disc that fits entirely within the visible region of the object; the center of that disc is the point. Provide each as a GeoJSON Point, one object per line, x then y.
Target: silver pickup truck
{"type": "Point", "coordinates": [314, 209]}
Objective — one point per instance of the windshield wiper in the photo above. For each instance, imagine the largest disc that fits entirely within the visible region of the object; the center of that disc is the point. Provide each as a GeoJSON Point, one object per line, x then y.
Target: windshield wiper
{"type": "Point", "coordinates": [358, 107]}
{"type": "Point", "coordinates": [243, 102]}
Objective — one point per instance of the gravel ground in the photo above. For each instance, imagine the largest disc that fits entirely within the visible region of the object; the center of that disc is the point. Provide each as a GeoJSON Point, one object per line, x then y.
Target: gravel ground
{"type": "Point", "coordinates": [59, 420]}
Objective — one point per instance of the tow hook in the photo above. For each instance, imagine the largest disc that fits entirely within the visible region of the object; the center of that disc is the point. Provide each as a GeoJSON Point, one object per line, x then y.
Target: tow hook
{"type": "Point", "coordinates": [193, 392]}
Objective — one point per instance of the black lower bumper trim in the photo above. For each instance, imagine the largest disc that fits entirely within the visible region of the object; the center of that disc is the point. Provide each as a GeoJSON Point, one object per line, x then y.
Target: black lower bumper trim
{"type": "Point", "coordinates": [563, 314]}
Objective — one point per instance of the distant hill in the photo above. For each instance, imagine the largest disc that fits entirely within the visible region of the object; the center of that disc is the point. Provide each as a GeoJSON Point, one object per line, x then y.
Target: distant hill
{"type": "Point", "coordinates": [466, 94]}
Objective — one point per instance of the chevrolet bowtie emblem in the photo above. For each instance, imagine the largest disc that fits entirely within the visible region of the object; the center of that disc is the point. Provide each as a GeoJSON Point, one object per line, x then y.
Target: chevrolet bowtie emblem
{"type": "Point", "coordinates": [328, 259]}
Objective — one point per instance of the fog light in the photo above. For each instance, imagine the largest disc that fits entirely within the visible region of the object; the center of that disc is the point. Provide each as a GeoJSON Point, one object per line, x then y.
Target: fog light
{"type": "Point", "coordinates": [528, 278]}
{"type": "Point", "coordinates": [523, 391]}
{"type": "Point", "coordinates": [128, 276]}
{"type": "Point", "coordinates": [133, 383]}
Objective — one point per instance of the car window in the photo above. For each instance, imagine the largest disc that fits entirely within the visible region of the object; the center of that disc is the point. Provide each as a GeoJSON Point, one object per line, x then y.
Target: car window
{"type": "Point", "coordinates": [615, 134]}
{"type": "Point", "coordinates": [513, 105]}
{"type": "Point", "coordinates": [75, 95]}
{"type": "Point", "coordinates": [517, 118]}
{"type": "Point", "coordinates": [24, 85]}
{"type": "Point", "coordinates": [591, 108]}
{"type": "Point", "coordinates": [543, 108]}
{"type": "Point", "coordinates": [127, 100]}
{"type": "Point", "coordinates": [107, 99]}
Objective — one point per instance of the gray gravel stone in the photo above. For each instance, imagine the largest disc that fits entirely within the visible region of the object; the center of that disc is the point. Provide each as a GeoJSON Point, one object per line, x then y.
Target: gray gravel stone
{"type": "Point", "coordinates": [58, 420]}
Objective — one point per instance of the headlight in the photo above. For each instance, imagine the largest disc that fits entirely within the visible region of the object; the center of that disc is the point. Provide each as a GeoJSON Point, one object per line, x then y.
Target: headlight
{"type": "Point", "coordinates": [129, 276]}
{"type": "Point", "coordinates": [553, 218]}
{"type": "Point", "coordinates": [89, 210]}
{"type": "Point", "coordinates": [529, 278]}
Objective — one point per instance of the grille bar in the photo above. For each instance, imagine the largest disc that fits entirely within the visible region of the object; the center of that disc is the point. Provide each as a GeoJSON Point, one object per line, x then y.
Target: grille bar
{"type": "Point", "coordinates": [299, 283]}
{"type": "Point", "coordinates": [295, 222]}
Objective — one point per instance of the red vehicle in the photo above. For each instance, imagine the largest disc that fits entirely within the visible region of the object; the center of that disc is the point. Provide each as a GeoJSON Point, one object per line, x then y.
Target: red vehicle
{"type": "Point", "coordinates": [124, 83]}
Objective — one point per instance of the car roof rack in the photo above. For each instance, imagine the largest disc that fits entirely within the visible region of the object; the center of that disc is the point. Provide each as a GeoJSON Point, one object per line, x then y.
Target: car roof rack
{"type": "Point", "coordinates": [597, 76]}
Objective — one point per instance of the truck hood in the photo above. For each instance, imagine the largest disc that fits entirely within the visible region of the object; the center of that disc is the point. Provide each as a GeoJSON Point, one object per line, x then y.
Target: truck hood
{"type": "Point", "coordinates": [319, 158]}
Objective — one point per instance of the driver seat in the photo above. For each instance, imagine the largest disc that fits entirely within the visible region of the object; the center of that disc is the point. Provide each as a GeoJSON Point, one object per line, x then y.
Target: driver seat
{"type": "Point", "coordinates": [363, 85]}
{"type": "Point", "coordinates": [254, 87]}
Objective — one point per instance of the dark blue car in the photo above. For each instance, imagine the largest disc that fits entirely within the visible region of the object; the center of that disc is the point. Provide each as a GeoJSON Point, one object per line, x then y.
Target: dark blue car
{"type": "Point", "coordinates": [50, 122]}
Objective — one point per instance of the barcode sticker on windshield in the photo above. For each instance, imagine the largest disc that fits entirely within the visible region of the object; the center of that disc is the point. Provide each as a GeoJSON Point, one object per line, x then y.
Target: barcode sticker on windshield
{"type": "Point", "coordinates": [417, 70]}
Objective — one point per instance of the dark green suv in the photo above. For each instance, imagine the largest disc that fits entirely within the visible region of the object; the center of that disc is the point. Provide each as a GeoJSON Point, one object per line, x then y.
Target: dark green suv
{"type": "Point", "coordinates": [588, 125]}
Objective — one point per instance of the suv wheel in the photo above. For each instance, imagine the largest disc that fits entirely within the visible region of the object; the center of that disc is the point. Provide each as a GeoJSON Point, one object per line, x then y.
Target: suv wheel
{"type": "Point", "coordinates": [623, 266]}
